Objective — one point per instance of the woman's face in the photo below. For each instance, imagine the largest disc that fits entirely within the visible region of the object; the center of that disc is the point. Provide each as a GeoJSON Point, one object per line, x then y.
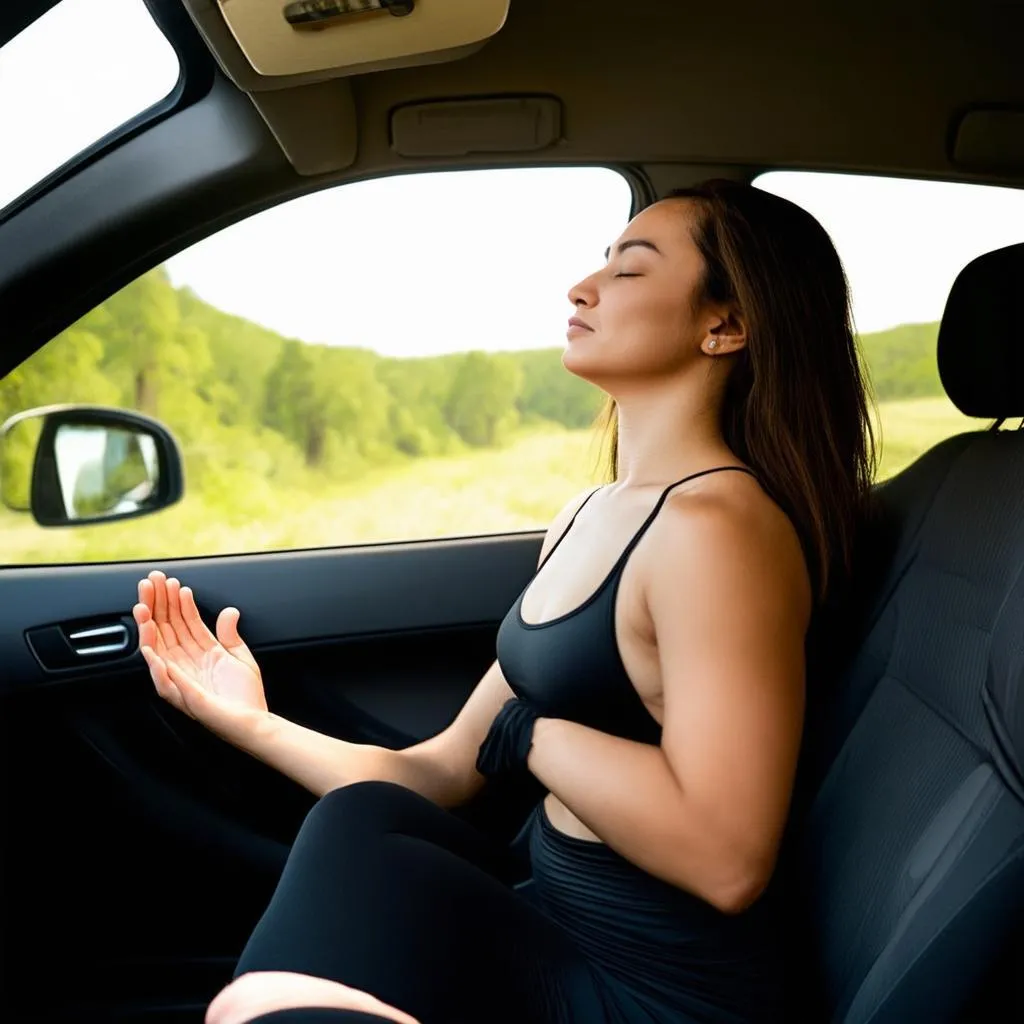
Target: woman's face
{"type": "Point", "coordinates": [636, 316]}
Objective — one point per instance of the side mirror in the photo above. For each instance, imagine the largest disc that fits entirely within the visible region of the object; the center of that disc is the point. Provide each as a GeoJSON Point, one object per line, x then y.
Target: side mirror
{"type": "Point", "coordinates": [70, 465]}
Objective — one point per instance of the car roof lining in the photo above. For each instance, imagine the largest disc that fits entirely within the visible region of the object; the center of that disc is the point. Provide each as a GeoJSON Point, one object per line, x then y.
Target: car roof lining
{"type": "Point", "coordinates": [876, 88]}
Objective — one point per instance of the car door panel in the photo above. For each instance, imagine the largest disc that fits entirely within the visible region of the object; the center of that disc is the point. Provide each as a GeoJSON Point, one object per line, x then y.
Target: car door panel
{"type": "Point", "coordinates": [143, 839]}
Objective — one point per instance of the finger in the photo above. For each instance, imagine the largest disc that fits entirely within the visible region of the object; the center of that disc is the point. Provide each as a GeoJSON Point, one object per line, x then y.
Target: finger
{"type": "Point", "coordinates": [148, 599]}
{"type": "Point", "coordinates": [156, 580]}
{"type": "Point", "coordinates": [181, 631]}
{"type": "Point", "coordinates": [163, 625]}
{"type": "Point", "coordinates": [147, 628]}
{"type": "Point", "coordinates": [164, 687]}
{"type": "Point", "coordinates": [190, 613]}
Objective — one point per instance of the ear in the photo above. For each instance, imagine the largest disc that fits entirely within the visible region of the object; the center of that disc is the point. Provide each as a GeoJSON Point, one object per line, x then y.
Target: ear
{"type": "Point", "coordinates": [727, 326]}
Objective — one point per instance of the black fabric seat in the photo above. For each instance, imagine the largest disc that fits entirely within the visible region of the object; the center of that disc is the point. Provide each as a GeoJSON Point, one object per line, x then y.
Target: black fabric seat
{"type": "Point", "coordinates": [906, 841]}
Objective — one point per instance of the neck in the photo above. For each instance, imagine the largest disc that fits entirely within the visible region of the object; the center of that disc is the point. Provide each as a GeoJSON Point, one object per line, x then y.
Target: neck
{"type": "Point", "coordinates": [667, 431]}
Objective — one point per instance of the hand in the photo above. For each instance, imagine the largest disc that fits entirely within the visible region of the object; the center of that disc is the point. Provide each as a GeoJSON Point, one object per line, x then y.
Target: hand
{"type": "Point", "coordinates": [213, 679]}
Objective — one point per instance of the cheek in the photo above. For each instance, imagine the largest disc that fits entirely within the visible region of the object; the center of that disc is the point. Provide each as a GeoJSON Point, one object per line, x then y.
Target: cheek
{"type": "Point", "coordinates": [652, 326]}
{"type": "Point", "coordinates": [642, 337]}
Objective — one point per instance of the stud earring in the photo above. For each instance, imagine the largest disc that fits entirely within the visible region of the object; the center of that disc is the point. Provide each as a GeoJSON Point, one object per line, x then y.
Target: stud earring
{"type": "Point", "coordinates": [713, 343]}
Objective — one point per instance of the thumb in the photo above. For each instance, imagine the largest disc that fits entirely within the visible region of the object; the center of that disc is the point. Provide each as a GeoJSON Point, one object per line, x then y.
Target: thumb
{"type": "Point", "coordinates": [228, 635]}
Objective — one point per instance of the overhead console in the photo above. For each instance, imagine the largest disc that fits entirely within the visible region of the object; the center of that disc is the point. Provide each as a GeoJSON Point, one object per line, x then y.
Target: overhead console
{"type": "Point", "coordinates": [289, 54]}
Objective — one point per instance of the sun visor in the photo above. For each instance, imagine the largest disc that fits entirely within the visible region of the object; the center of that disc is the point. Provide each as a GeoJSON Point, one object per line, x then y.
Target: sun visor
{"type": "Point", "coordinates": [282, 43]}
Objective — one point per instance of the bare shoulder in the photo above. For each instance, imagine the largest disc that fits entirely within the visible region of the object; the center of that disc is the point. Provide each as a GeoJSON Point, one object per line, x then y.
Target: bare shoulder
{"type": "Point", "coordinates": [561, 521]}
{"type": "Point", "coordinates": [729, 541]}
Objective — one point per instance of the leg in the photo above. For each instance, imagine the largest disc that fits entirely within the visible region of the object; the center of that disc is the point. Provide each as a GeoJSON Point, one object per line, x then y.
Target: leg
{"type": "Point", "coordinates": [388, 893]}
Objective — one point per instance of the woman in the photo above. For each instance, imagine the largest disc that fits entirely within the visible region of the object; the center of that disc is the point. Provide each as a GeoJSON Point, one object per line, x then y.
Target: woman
{"type": "Point", "coordinates": [651, 681]}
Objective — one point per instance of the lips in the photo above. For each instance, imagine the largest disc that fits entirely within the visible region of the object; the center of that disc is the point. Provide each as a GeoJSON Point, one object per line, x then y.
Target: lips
{"type": "Point", "coordinates": [577, 322]}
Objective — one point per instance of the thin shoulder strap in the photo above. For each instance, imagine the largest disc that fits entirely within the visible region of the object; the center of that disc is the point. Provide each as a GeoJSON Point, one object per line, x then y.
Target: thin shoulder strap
{"type": "Point", "coordinates": [661, 501]}
{"type": "Point", "coordinates": [569, 527]}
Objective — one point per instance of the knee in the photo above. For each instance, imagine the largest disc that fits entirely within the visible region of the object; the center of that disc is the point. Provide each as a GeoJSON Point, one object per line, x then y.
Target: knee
{"type": "Point", "coordinates": [373, 802]}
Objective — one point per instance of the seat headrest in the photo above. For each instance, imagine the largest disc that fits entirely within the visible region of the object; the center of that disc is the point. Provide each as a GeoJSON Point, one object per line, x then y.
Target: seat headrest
{"type": "Point", "coordinates": [981, 337]}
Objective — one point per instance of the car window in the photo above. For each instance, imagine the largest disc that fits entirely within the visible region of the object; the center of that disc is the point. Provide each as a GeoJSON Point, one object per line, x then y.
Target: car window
{"type": "Point", "coordinates": [379, 361]}
{"type": "Point", "coordinates": [903, 241]}
{"type": "Point", "coordinates": [75, 74]}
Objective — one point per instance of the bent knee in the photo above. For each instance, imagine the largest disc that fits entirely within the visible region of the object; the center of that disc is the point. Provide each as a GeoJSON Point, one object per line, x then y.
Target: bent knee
{"type": "Point", "coordinates": [373, 801]}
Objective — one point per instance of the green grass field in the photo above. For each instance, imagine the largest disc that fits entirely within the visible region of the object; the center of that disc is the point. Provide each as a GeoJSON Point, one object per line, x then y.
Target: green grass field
{"type": "Point", "coordinates": [516, 488]}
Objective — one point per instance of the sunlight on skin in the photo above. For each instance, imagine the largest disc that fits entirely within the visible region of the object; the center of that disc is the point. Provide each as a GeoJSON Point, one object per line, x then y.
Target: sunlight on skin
{"type": "Point", "coordinates": [260, 992]}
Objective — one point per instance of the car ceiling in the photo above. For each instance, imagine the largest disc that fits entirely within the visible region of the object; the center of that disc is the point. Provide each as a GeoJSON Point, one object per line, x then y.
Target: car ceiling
{"type": "Point", "coordinates": [870, 86]}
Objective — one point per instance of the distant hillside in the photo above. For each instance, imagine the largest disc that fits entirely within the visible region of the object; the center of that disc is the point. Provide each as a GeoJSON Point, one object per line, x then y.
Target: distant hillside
{"type": "Point", "coordinates": [901, 362]}
{"type": "Point", "coordinates": [240, 396]}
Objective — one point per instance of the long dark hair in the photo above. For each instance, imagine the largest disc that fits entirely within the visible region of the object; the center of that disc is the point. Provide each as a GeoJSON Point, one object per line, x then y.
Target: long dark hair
{"type": "Point", "coordinates": [796, 403]}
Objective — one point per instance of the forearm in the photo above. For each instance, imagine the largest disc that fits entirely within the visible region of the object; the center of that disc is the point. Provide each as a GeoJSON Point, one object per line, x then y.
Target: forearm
{"type": "Point", "coordinates": [627, 794]}
{"type": "Point", "coordinates": [321, 763]}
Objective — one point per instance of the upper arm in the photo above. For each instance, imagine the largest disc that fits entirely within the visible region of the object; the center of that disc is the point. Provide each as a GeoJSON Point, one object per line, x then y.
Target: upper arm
{"type": "Point", "coordinates": [729, 598]}
{"type": "Point", "coordinates": [455, 748]}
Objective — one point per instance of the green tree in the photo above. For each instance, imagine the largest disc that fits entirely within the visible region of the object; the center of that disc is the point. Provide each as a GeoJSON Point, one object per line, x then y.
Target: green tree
{"type": "Point", "coordinates": [419, 389]}
{"type": "Point", "coordinates": [481, 405]}
{"type": "Point", "coordinates": [141, 335]}
{"type": "Point", "coordinates": [551, 392]}
{"type": "Point", "coordinates": [315, 389]}
{"type": "Point", "coordinates": [290, 406]}
{"type": "Point", "coordinates": [242, 354]}
{"type": "Point", "coordinates": [68, 369]}
{"type": "Point", "coordinates": [902, 361]}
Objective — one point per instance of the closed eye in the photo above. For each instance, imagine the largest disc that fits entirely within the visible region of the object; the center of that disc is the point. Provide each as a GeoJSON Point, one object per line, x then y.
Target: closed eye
{"type": "Point", "coordinates": [628, 275]}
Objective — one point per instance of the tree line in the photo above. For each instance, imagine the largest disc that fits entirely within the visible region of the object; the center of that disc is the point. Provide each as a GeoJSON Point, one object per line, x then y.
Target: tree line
{"type": "Point", "coordinates": [223, 384]}
{"type": "Point", "coordinates": [236, 393]}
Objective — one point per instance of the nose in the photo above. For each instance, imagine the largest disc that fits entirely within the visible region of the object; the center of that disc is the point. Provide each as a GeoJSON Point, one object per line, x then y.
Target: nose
{"type": "Point", "coordinates": [584, 293]}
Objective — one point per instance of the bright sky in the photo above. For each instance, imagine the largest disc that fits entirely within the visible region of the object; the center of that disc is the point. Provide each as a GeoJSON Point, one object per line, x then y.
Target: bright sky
{"type": "Point", "coordinates": [421, 264]}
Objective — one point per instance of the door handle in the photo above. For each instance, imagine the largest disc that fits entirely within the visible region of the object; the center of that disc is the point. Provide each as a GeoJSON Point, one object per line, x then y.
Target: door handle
{"type": "Point", "coordinates": [74, 646]}
{"type": "Point", "coordinates": [100, 640]}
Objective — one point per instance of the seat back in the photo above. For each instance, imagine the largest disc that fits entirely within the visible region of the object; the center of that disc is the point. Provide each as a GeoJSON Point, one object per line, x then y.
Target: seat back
{"type": "Point", "coordinates": [909, 835]}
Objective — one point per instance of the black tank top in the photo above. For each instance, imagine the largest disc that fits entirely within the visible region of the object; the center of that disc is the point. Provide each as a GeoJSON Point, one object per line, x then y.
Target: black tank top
{"type": "Point", "coordinates": [570, 666]}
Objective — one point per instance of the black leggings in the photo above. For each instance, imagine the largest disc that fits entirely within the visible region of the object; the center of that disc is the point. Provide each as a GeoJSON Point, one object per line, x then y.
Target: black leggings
{"type": "Point", "coordinates": [389, 893]}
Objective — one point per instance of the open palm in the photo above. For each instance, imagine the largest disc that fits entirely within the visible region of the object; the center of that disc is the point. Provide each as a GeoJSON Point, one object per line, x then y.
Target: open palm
{"type": "Point", "coordinates": [214, 679]}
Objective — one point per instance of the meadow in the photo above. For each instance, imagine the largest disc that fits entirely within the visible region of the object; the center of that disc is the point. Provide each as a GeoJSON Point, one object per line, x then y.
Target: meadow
{"type": "Point", "coordinates": [517, 486]}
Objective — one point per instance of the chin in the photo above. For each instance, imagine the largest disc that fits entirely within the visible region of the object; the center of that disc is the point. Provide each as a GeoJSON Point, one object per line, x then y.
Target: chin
{"type": "Point", "coordinates": [589, 365]}
{"type": "Point", "coordinates": [581, 363]}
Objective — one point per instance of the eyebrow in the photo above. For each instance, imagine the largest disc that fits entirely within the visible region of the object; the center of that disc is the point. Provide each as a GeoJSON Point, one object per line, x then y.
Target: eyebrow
{"type": "Point", "coordinates": [631, 243]}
